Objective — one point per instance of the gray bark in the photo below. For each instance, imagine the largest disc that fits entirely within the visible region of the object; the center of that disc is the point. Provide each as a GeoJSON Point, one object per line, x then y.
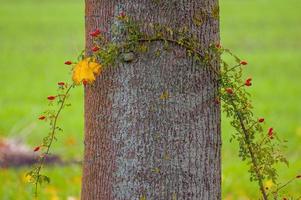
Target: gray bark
{"type": "Point", "coordinates": [140, 146]}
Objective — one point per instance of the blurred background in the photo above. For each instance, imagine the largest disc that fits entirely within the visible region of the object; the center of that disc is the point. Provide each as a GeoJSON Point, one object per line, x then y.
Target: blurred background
{"type": "Point", "coordinates": [37, 36]}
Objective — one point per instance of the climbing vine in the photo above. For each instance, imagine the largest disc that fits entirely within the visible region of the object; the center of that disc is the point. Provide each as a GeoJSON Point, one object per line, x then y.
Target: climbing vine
{"type": "Point", "coordinates": [259, 146]}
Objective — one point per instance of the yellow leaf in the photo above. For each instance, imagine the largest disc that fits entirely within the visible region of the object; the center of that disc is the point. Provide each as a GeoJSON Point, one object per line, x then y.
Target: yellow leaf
{"type": "Point", "coordinates": [143, 197]}
{"type": "Point", "coordinates": [164, 95]}
{"type": "Point", "coordinates": [166, 156]}
{"type": "Point", "coordinates": [86, 70]}
{"type": "Point", "coordinates": [174, 196]}
{"type": "Point", "coordinates": [156, 170]}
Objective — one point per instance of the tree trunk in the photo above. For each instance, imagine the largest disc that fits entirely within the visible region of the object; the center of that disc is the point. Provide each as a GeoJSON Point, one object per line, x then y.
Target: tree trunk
{"type": "Point", "coordinates": [139, 146]}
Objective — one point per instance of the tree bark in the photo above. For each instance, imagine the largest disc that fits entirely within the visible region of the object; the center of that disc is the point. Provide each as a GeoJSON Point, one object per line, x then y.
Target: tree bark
{"type": "Point", "coordinates": [141, 146]}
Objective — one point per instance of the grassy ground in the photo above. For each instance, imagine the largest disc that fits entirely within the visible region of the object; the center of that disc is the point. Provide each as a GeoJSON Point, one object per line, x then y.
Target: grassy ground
{"type": "Point", "coordinates": [37, 36]}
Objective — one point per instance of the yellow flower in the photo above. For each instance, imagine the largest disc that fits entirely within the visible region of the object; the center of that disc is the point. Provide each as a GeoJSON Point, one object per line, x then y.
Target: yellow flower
{"type": "Point", "coordinates": [269, 184]}
{"type": "Point", "coordinates": [26, 178]}
{"type": "Point", "coordinates": [85, 71]}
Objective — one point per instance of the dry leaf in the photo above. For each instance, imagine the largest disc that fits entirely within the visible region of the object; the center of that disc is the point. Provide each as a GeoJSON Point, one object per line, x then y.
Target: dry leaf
{"type": "Point", "coordinates": [86, 70]}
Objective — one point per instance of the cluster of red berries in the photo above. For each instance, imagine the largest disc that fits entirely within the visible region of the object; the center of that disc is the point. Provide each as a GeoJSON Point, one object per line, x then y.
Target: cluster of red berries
{"type": "Point", "coordinates": [270, 131]}
{"type": "Point", "coordinates": [95, 33]}
{"type": "Point", "coordinates": [52, 98]}
{"type": "Point", "coordinates": [95, 48]}
{"type": "Point", "coordinates": [248, 83]}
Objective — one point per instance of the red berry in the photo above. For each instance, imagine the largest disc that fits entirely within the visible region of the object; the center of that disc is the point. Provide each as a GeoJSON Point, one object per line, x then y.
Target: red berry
{"type": "Point", "coordinates": [243, 62]}
{"type": "Point", "coordinates": [95, 33]}
{"type": "Point", "coordinates": [51, 98]}
{"type": "Point", "coordinates": [37, 148]}
{"type": "Point", "coordinates": [85, 82]}
{"type": "Point", "coordinates": [122, 14]}
{"type": "Point", "coordinates": [42, 117]}
{"type": "Point", "coordinates": [218, 46]}
{"type": "Point", "coordinates": [271, 132]}
{"type": "Point", "coordinates": [68, 62]}
{"type": "Point", "coordinates": [229, 90]}
{"type": "Point", "coordinates": [248, 84]}
{"type": "Point", "coordinates": [95, 49]}
{"type": "Point", "coordinates": [61, 83]}
{"type": "Point", "coordinates": [217, 101]}
{"type": "Point", "coordinates": [260, 120]}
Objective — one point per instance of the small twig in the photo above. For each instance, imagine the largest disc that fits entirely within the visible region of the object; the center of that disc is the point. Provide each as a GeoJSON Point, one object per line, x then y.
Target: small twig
{"type": "Point", "coordinates": [285, 184]}
{"type": "Point", "coordinates": [42, 160]}
{"type": "Point", "coordinates": [231, 69]}
{"type": "Point", "coordinates": [253, 158]}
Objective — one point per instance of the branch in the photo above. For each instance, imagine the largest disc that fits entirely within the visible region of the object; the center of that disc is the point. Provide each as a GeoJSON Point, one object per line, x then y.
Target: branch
{"type": "Point", "coordinates": [52, 136]}
{"type": "Point", "coordinates": [249, 146]}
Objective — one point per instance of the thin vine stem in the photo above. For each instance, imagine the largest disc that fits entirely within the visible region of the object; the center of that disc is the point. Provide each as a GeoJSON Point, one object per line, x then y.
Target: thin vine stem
{"type": "Point", "coordinates": [52, 136]}
{"type": "Point", "coordinates": [182, 45]}
{"type": "Point", "coordinates": [284, 185]}
{"type": "Point", "coordinates": [243, 127]}
{"type": "Point", "coordinates": [252, 155]}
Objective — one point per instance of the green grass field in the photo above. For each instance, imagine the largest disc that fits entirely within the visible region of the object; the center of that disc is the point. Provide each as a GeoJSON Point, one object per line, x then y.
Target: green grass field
{"type": "Point", "coordinates": [37, 36]}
